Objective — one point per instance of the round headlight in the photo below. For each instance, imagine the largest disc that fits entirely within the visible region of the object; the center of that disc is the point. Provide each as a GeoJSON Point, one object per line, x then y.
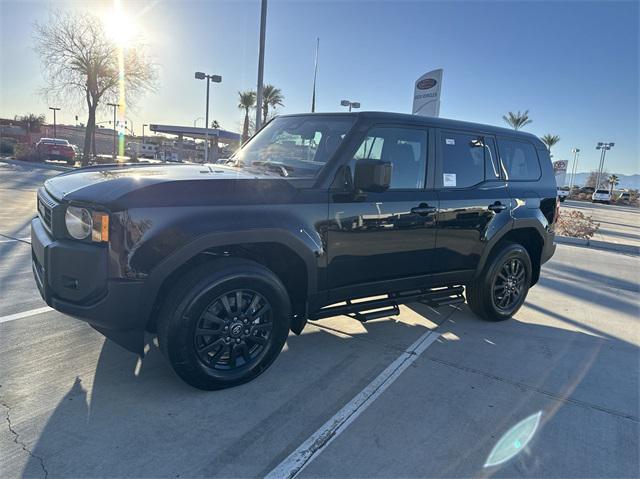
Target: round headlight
{"type": "Point", "coordinates": [78, 221]}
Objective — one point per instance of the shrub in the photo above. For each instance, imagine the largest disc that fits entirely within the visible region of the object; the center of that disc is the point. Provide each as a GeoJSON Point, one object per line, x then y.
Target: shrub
{"type": "Point", "coordinates": [22, 151]}
{"type": "Point", "coordinates": [6, 147]}
{"type": "Point", "coordinates": [576, 225]}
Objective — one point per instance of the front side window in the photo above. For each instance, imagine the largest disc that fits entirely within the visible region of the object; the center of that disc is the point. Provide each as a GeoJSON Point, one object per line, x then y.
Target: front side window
{"type": "Point", "coordinates": [296, 147]}
{"type": "Point", "coordinates": [404, 148]}
{"type": "Point", "coordinates": [520, 160]}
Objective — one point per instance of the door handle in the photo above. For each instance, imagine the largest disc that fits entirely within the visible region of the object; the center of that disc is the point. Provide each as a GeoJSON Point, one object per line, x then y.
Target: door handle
{"type": "Point", "coordinates": [497, 207]}
{"type": "Point", "coordinates": [423, 210]}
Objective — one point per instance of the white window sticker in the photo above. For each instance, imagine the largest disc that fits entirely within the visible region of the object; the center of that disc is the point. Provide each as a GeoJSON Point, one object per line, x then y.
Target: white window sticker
{"type": "Point", "coordinates": [449, 179]}
{"type": "Point", "coordinates": [450, 141]}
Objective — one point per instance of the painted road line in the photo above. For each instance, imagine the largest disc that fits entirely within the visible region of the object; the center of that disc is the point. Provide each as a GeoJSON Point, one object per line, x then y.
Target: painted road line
{"type": "Point", "coordinates": [25, 314]}
{"type": "Point", "coordinates": [315, 444]}
{"type": "Point", "coordinates": [22, 240]}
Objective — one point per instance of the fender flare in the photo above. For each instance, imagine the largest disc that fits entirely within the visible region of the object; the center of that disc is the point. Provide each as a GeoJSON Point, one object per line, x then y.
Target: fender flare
{"type": "Point", "coordinates": [515, 224]}
{"type": "Point", "coordinates": [301, 245]}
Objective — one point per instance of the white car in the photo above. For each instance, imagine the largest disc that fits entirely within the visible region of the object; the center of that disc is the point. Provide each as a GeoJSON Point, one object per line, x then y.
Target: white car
{"type": "Point", "coordinates": [563, 192]}
{"type": "Point", "coordinates": [601, 196]}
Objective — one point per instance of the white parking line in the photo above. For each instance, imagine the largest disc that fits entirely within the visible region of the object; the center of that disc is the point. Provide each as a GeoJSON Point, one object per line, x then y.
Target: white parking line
{"type": "Point", "coordinates": [25, 314]}
{"type": "Point", "coordinates": [22, 240]}
{"type": "Point", "coordinates": [312, 447]}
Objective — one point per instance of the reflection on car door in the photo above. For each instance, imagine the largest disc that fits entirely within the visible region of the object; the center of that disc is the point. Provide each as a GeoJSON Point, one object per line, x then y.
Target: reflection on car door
{"type": "Point", "coordinates": [389, 235]}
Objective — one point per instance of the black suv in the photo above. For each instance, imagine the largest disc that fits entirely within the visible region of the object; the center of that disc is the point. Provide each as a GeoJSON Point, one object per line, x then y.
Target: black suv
{"type": "Point", "coordinates": [316, 213]}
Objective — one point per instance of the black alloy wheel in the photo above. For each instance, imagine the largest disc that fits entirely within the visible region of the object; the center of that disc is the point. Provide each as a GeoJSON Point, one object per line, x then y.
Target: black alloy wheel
{"type": "Point", "coordinates": [508, 285]}
{"type": "Point", "coordinates": [234, 330]}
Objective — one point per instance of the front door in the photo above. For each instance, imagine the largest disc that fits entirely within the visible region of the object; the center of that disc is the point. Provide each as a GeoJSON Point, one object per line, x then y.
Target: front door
{"type": "Point", "coordinates": [388, 235]}
{"type": "Point", "coordinates": [474, 200]}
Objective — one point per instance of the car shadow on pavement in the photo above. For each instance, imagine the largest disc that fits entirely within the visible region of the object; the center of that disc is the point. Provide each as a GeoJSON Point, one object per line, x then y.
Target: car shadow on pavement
{"type": "Point", "coordinates": [138, 419]}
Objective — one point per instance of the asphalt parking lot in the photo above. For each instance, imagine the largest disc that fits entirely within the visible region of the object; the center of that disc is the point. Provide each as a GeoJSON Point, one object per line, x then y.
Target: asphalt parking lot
{"type": "Point", "coordinates": [554, 392]}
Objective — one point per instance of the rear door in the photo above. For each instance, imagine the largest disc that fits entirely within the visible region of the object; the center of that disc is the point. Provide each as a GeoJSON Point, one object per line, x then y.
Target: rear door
{"type": "Point", "coordinates": [474, 199]}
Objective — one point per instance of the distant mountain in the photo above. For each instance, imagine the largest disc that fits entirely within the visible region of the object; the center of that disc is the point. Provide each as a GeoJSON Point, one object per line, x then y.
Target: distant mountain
{"type": "Point", "coordinates": [626, 181]}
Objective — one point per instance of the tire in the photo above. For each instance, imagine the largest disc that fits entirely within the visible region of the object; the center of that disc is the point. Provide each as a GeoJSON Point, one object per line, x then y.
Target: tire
{"type": "Point", "coordinates": [480, 293]}
{"type": "Point", "coordinates": [255, 333]}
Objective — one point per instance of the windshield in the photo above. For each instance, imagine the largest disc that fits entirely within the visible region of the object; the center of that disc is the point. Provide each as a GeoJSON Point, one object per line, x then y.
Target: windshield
{"type": "Point", "coordinates": [602, 192]}
{"type": "Point", "coordinates": [295, 147]}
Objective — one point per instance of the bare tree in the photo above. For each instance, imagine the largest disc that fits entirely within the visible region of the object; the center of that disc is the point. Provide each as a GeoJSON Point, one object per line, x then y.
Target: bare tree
{"type": "Point", "coordinates": [81, 64]}
{"type": "Point", "coordinates": [591, 179]}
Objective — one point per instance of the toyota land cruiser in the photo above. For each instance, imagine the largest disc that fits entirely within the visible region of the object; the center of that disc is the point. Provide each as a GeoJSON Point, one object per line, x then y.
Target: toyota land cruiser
{"type": "Point", "coordinates": [315, 214]}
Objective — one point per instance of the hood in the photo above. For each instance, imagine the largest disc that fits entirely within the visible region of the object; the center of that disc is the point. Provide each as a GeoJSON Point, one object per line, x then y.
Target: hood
{"type": "Point", "coordinates": [113, 184]}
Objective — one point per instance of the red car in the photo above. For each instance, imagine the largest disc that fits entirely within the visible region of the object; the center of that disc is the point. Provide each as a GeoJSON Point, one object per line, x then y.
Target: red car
{"type": "Point", "coordinates": [55, 149]}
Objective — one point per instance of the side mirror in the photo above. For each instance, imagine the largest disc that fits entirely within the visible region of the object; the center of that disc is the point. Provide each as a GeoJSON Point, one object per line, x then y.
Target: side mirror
{"type": "Point", "coordinates": [373, 175]}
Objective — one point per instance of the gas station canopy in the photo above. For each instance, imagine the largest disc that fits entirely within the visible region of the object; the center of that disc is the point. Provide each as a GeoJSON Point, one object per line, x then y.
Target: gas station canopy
{"type": "Point", "coordinates": [224, 136]}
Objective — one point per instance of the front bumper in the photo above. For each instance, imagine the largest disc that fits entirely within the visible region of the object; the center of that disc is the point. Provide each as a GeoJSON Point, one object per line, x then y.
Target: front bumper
{"type": "Point", "coordinates": [73, 278]}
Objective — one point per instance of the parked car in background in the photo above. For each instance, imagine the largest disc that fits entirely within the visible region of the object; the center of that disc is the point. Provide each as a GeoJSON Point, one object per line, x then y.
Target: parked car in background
{"type": "Point", "coordinates": [55, 149]}
{"type": "Point", "coordinates": [563, 192]}
{"type": "Point", "coordinates": [624, 197]}
{"type": "Point", "coordinates": [601, 196]}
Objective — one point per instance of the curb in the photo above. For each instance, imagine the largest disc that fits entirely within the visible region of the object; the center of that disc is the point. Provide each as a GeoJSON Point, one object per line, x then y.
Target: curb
{"type": "Point", "coordinates": [601, 245]}
{"type": "Point", "coordinates": [30, 164]}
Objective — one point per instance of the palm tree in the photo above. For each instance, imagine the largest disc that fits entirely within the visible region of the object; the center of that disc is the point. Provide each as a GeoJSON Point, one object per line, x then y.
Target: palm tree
{"type": "Point", "coordinates": [247, 102]}
{"type": "Point", "coordinates": [550, 140]}
{"type": "Point", "coordinates": [271, 97]}
{"type": "Point", "coordinates": [517, 120]}
{"type": "Point", "coordinates": [613, 181]}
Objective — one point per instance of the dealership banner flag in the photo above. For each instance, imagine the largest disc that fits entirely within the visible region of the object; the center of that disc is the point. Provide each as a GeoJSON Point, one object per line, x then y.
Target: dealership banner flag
{"type": "Point", "coordinates": [426, 94]}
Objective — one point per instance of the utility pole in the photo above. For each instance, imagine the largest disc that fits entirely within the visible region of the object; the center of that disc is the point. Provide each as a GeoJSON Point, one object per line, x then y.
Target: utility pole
{"type": "Point", "coordinates": [55, 109]}
{"type": "Point", "coordinates": [259, 92]}
{"type": "Point", "coordinates": [143, 125]}
{"type": "Point", "coordinates": [115, 106]}
{"type": "Point", "coordinates": [315, 75]}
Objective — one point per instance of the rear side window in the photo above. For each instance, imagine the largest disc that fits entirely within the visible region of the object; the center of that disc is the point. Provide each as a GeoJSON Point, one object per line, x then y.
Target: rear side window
{"type": "Point", "coordinates": [467, 159]}
{"type": "Point", "coordinates": [520, 160]}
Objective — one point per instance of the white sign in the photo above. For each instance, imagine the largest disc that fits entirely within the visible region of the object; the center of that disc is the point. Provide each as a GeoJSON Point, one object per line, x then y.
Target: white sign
{"type": "Point", "coordinates": [426, 94]}
{"type": "Point", "coordinates": [449, 179]}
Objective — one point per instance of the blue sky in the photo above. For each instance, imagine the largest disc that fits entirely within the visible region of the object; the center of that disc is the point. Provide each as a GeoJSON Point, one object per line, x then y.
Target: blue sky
{"type": "Point", "coordinates": [573, 65]}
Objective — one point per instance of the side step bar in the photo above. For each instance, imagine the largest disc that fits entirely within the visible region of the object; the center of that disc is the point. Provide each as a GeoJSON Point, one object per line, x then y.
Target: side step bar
{"type": "Point", "coordinates": [388, 306]}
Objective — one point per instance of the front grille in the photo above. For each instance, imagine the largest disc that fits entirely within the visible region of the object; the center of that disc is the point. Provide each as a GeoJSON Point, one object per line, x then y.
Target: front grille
{"type": "Point", "coordinates": [45, 209]}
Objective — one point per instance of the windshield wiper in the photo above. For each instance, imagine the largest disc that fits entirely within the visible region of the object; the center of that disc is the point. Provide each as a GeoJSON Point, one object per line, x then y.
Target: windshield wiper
{"type": "Point", "coordinates": [279, 168]}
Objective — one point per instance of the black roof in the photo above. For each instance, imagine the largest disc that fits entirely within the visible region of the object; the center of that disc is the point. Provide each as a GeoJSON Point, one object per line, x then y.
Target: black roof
{"type": "Point", "coordinates": [431, 121]}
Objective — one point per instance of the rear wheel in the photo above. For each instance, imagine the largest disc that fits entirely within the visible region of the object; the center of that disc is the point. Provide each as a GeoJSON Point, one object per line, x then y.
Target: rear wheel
{"type": "Point", "coordinates": [502, 287]}
{"type": "Point", "coordinates": [224, 323]}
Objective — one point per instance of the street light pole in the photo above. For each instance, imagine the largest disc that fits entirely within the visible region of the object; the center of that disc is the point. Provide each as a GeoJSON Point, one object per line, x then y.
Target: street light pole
{"type": "Point", "coordinates": [259, 92]}
{"type": "Point", "coordinates": [604, 147]}
{"type": "Point", "coordinates": [195, 122]}
{"type": "Point", "coordinates": [350, 104]}
{"type": "Point", "coordinates": [115, 106]}
{"type": "Point", "coordinates": [143, 125]}
{"type": "Point", "coordinates": [55, 109]}
{"type": "Point", "coordinates": [574, 167]}
{"type": "Point", "coordinates": [208, 79]}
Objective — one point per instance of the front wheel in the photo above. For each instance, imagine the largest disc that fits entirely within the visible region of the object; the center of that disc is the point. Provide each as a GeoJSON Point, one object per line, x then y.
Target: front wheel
{"type": "Point", "coordinates": [502, 287]}
{"type": "Point", "coordinates": [224, 323]}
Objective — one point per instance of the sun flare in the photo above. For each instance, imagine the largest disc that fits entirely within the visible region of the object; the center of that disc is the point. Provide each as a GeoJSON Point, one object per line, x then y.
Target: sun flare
{"type": "Point", "coordinates": [119, 26]}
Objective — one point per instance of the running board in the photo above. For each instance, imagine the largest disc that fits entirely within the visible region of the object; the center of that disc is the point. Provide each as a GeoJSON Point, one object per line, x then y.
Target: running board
{"type": "Point", "coordinates": [388, 306]}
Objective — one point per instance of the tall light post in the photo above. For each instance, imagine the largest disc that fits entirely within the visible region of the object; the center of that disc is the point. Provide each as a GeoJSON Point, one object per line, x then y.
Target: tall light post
{"type": "Point", "coordinates": [259, 92]}
{"type": "Point", "coordinates": [350, 104]}
{"type": "Point", "coordinates": [143, 126]}
{"type": "Point", "coordinates": [55, 109]}
{"type": "Point", "coordinates": [209, 79]}
{"type": "Point", "coordinates": [115, 107]}
{"type": "Point", "coordinates": [603, 147]}
{"type": "Point", "coordinates": [195, 122]}
{"type": "Point", "coordinates": [574, 167]}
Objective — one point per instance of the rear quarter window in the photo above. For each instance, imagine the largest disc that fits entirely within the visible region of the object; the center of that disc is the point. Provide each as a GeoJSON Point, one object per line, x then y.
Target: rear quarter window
{"type": "Point", "coordinates": [520, 160]}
